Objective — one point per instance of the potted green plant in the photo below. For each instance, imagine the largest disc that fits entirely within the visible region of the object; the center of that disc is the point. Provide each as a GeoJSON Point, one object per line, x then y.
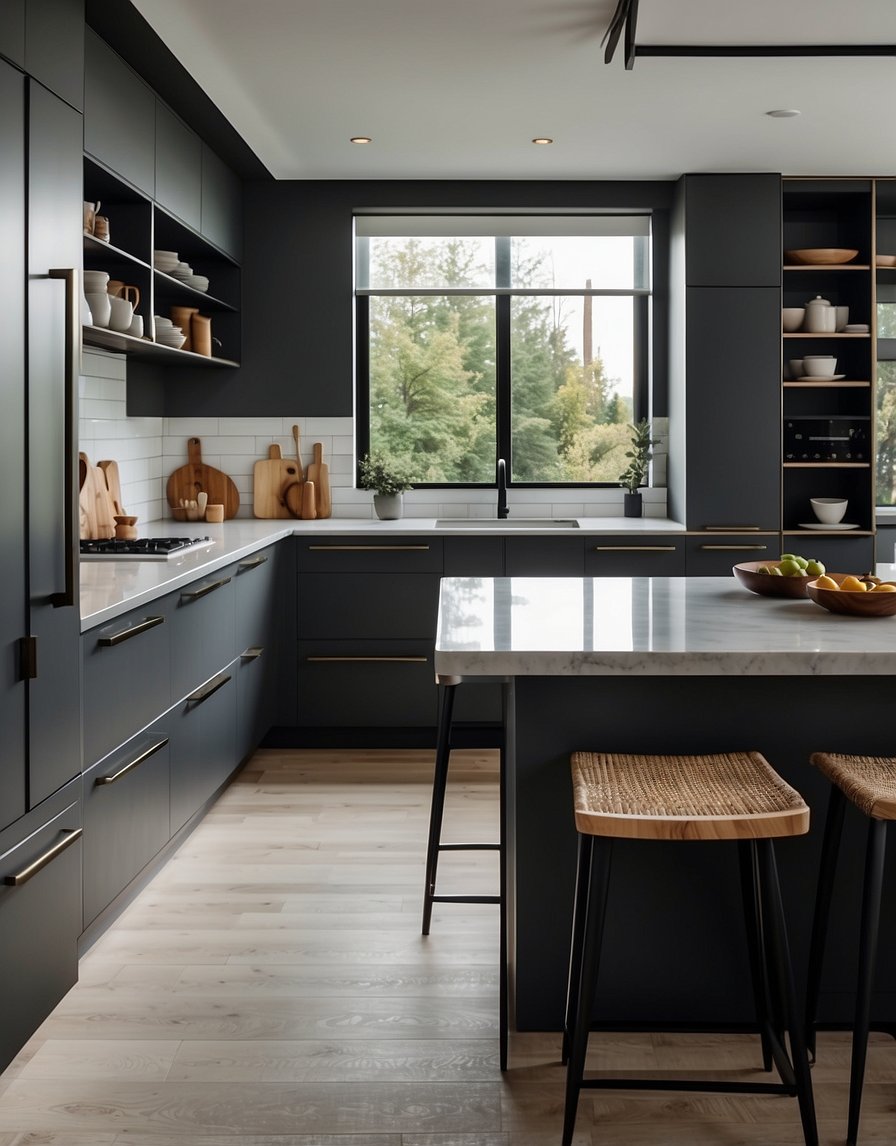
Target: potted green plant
{"type": "Point", "coordinates": [388, 483]}
{"type": "Point", "coordinates": [641, 455]}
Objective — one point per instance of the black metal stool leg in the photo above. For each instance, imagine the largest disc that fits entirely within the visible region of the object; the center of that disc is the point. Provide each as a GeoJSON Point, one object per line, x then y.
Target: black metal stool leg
{"type": "Point", "coordinates": [755, 948]}
{"type": "Point", "coordinates": [580, 905]}
{"type": "Point", "coordinates": [595, 910]}
{"type": "Point", "coordinates": [439, 785]}
{"type": "Point", "coordinates": [874, 873]}
{"type": "Point", "coordinates": [775, 929]}
{"type": "Point", "coordinates": [833, 829]}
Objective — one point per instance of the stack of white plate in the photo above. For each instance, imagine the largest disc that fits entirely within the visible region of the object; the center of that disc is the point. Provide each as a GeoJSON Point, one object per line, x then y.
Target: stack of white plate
{"type": "Point", "coordinates": [165, 261]}
{"type": "Point", "coordinates": [197, 282]}
{"type": "Point", "coordinates": [182, 271]}
{"type": "Point", "coordinates": [167, 334]}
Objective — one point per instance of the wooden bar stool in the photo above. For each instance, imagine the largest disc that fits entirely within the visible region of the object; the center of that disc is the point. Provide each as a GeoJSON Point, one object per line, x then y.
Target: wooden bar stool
{"type": "Point", "coordinates": [729, 796]}
{"type": "Point", "coordinates": [868, 782]}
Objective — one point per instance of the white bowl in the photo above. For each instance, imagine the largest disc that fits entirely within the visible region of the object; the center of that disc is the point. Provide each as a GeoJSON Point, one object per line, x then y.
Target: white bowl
{"type": "Point", "coordinates": [792, 318]}
{"type": "Point", "coordinates": [819, 365]}
{"type": "Point", "coordinates": [166, 255]}
{"type": "Point", "coordinates": [160, 320]}
{"type": "Point", "coordinates": [198, 282]}
{"type": "Point", "coordinates": [829, 510]}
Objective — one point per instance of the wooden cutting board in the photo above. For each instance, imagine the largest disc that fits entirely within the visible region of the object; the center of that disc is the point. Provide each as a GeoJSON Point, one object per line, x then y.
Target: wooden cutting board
{"type": "Point", "coordinates": [113, 481]}
{"type": "Point", "coordinates": [95, 509]}
{"type": "Point", "coordinates": [319, 473]}
{"type": "Point", "coordinates": [271, 478]}
{"type": "Point", "coordinates": [196, 477]}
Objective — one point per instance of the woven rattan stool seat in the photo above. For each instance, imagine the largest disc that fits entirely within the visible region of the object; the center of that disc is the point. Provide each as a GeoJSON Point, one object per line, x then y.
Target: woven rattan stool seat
{"type": "Point", "coordinates": [723, 796]}
{"type": "Point", "coordinates": [869, 782]}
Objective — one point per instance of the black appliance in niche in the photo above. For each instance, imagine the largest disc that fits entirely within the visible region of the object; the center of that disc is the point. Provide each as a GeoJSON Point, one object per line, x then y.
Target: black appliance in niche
{"type": "Point", "coordinates": [834, 439]}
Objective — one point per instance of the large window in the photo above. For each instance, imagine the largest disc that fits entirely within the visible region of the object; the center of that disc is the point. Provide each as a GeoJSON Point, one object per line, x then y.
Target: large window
{"type": "Point", "coordinates": [517, 337]}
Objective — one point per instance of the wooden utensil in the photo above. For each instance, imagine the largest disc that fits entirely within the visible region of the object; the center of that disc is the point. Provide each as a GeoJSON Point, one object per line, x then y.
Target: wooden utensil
{"type": "Point", "coordinates": [292, 495]}
{"type": "Point", "coordinates": [309, 501]}
{"type": "Point", "coordinates": [196, 477]}
{"type": "Point", "coordinates": [319, 474]}
{"type": "Point", "coordinates": [86, 499]}
{"type": "Point", "coordinates": [113, 481]}
{"type": "Point", "coordinates": [272, 477]}
{"type": "Point", "coordinates": [105, 507]}
{"type": "Point", "coordinates": [296, 435]}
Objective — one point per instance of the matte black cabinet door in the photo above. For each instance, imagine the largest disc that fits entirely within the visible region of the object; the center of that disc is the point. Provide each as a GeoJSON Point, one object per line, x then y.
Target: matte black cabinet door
{"type": "Point", "coordinates": [119, 115]}
{"type": "Point", "coordinates": [178, 167]}
{"type": "Point", "coordinates": [222, 204]}
{"type": "Point", "coordinates": [713, 555]}
{"type": "Point", "coordinates": [55, 162]}
{"type": "Point", "coordinates": [360, 605]}
{"type": "Point", "coordinates": [202, 630]}
{"type": "Point", "coordinates": [635, 555]}
{"type": "Point", "coordinates": [13, 622]}
{"type": "Point", "coordinates": [544, 557]}
{"type": "Point", "coordinates": [54, 47]}
{"type": "Point", "coordinates": [12, 32]}
{"type": "Point", "coordinates": [733, 460]}
{"type": "Point", "coordinates": [203, 747]}
{"type": "Point", "coordinates": [733, 230]}
{"type": "Point", "coordinates": [40, 915]}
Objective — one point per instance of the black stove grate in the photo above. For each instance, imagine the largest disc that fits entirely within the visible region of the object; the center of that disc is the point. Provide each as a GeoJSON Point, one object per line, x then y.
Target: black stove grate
{"type": "Point", "coordinates": [149, 548]}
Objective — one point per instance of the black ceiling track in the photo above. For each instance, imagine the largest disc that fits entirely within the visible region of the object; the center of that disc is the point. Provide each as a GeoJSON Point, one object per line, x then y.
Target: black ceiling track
{"type": "Point", "coordinates": [626, 18]}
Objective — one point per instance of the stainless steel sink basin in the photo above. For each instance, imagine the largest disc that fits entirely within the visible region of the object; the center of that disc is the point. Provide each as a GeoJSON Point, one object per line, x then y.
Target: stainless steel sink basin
{"type": "Point", "coordinates": [507, 523]}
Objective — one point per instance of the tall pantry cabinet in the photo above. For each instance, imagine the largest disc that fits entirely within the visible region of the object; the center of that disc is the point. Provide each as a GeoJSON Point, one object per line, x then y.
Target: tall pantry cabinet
{"type": "Point", "coordinates": [41, 141]}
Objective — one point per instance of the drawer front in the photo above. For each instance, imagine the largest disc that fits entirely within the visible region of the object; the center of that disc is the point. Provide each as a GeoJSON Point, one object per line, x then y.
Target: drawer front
{"type": "Point", "coordinates": [713, 554]}
{"type": "Point", "coordinates": [837, 554]}
{"type": "Point", "coordinates": [372, 684]}
{"type": "Point", "coordinates": [126, 818]}
{"type": "Point", "coordinates": [360, 555]}
{"type": "Point", "coordinates": [255, 599]}
{"type": "Point", "coordinates": [40, 915]}
{"type": "Point", "coordinates": [203, 636]}
{"type": "Point", "coordinates": [127, 678]}
{"type": "Point", "coordinates": [474, 557]}
{"type": "Point", "coordinates": [361, 605]}
{"type": "Point", "coordinates": [658, 556]}
{"type": "Point", "coordinates": [203, 747]}
{"type": "Point", "coordinates": [256, 697]}
{"type": "Point", "coordinates": [544, 557]}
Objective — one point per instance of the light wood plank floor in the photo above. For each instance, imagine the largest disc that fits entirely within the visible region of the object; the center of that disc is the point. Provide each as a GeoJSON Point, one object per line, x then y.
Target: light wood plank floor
{"type": "Point", "coordinates": [271, 987]}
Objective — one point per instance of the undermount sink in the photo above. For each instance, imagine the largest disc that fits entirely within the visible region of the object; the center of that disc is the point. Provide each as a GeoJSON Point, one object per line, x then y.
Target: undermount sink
{"type": "Point", "coordinates": [507, 523]}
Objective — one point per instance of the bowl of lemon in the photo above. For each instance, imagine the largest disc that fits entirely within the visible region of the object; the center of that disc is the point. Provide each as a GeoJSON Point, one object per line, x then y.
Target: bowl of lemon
{"type": "Point", "coordinates": [854, 595]}
{"type": "Point", "coordinates": [787, 577]}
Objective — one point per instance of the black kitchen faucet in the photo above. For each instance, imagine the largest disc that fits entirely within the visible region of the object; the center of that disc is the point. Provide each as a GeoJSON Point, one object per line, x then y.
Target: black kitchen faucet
{"type": "Point", "coordinates": [503, 511]}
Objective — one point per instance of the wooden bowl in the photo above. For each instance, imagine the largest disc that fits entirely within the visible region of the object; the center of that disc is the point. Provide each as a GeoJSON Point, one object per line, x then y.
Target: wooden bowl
{"type": "Point", "coordinates": [853, 604]}
{"type": "Point", "coordinates": [821, 256]}
{"type": "Point", "coordinates": [767, 585]}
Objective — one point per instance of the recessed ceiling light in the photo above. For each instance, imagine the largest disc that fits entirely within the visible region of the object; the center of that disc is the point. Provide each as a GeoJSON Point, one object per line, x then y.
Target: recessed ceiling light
{"type": "Point", "coordinates": [783, 113]}
{"type": "Point", "coordinates": [361, 139]}
{"type": "Point", "coordinates": [542, 139]}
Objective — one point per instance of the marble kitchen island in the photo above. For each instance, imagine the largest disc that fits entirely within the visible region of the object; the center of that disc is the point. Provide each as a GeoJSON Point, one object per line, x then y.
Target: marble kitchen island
{"type": "Point", "coordinates": [669, 665]}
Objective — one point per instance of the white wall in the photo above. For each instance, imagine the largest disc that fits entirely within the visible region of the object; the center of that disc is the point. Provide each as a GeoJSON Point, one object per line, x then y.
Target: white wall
{"type": "Point", "coordinates": [149, 449]}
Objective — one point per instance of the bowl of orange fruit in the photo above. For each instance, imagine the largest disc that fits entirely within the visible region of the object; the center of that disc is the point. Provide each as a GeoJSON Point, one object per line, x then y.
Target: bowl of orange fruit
{"type": "Point", "coordinates": [857, 595]}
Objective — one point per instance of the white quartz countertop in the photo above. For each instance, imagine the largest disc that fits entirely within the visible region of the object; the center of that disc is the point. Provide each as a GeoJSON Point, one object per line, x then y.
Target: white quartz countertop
{"type": "Point", "coordinates": [648, 626]}
{"type": "Point", "coordinates": [110, 588]}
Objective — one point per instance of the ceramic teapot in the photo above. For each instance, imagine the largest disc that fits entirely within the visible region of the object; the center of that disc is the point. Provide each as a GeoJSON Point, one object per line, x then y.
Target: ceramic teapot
{"type": "Point", "coordinates": [821, 316]}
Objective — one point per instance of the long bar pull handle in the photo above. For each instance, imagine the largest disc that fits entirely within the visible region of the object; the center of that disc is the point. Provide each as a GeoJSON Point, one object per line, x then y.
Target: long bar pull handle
{"type": "Point", "coordinates": [734, 548]}
{"type": "Point", "coordinates": [733, 528]}
{"type": "Point", "coordinates": [252, 653]}
{"type": "Point", "coordinates": [133, 631]}
{"type": "Point", "coordinates": [132, 764]}
{"type": "Point", "coordinates": [203, 590]}
{"type": "Point", "coordinates": [69, 275]}
{"type": "Point", "coordinates": [634, 549]}
{"type": "Point", "coordinates": [251, 563]}
{"type": "Point", "coordinates": [49, 855]}
{"type": "Point", "coordinates": [368, 548]}
{"type": "Point", "coordinates": [208, 690]}
{"type": "Point", "coordinates": [367, 660]}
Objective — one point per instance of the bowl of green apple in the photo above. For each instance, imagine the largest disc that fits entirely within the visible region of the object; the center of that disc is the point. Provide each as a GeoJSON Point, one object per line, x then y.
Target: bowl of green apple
{"type": "Point", "coordinates": [787, 577]}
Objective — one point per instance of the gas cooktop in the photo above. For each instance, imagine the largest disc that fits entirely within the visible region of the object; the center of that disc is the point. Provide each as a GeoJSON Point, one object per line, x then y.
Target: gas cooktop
{"type": "Point", "coordinates": [142, 548]}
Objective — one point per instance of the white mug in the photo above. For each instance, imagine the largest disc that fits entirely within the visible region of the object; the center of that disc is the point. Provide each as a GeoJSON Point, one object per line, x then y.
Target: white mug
{"type": "Point", "coordinates": [122, 312]}
{"type": "Point", "coordinates": [100, 307]}
{"type": "Point", "coordinates": [136, 327]}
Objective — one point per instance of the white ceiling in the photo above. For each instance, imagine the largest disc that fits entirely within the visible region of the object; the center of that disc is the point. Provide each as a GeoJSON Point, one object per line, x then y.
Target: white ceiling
{"type": "Point", "coordinates": [456, 89]}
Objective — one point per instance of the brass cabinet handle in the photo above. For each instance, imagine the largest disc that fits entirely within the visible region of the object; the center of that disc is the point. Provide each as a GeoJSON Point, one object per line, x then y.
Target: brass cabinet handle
{"type": "Point", "coordinates": [367, 660]}
{"type": "Point", "coordinates": [253, 653]}
{"type": "Point", "coordinates": [195, 594]}
{"type": "Point", "coordinates": [733, 548]}
{"type": "Point", "coordinates": [208, 690]}
{"type": "Point", "coordinates": [50, 854]}
{"type": "Point", "coordinates": [368, 548]}
{"type": "Point", "coordinates": [635, 548]}
{"type": "Point", "coordinates": [123, 771]}
{"type": "Point", "coordinates": [126, 634]}
{"type": "Point", "coordinates": [732, 528]}
{"type": "Point", "coordinates": [252, 563]}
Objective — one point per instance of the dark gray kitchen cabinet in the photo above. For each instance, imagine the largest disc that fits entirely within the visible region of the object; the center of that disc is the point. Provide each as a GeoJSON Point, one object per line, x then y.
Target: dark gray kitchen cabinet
{"type": "Point", "coordinates": [222, 204]}
{"type": "Point", "coordinates": [838, 554]}
{"type": "Point", "coordinates": [203, 635]}
{"type": "Point", "coordinates": [178, 161]}
{"type": "Point", "coordinates": [733, 408]}
{"type": "Point", "coordinates": [203, 745]}
{"type": "Point", "coordinates": [712, 555]}
{"type": "Point", "coordinates": [387, 554]}
{"type": "Point", "coordinates": [126, 816]}
{"type": "Point", "coordinates": [259, 595]}
{"type": "Point", "coordinates": [733, 229]}
{"type": "Point", "coordinates": [12, 32]}
{"type": "Point", "coordinates": [54, 47]}
{"type": "Point", "coordinates": [544, 557]}
{"type": "Point", "coordinates": [40, 914]}
{"type": "Point", "coordinates": [473, 557]}
{"type": "Point", "coordinates": [13, 600]}
{"type": "Point", "coordinates": [54, 259]}
{"type": "Point", "coordinates": [119, 115]}
{"type": "Point", "coordinates": [364, 605]}
{"type": "Point", "coordinates": [635, 555]}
